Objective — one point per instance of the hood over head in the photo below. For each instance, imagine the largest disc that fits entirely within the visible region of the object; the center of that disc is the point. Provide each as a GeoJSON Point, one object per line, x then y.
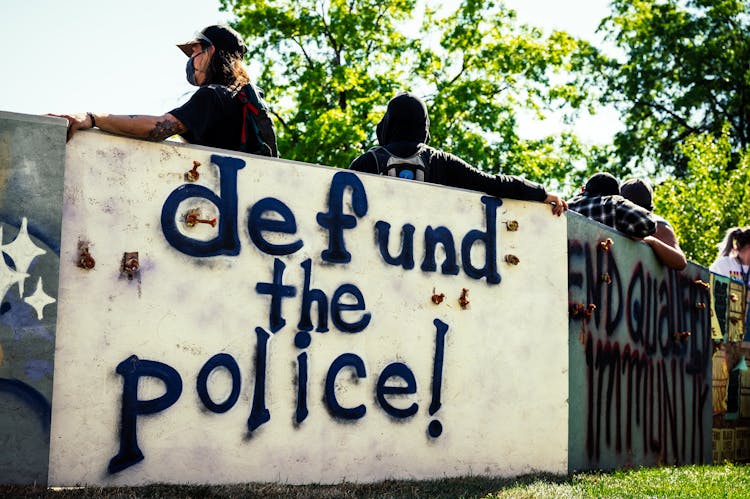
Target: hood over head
{"type": "Point", "coordinates": [405, 120]}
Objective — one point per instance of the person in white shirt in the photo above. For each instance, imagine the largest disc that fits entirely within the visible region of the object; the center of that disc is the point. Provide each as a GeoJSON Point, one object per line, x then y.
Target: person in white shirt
{"type": "Point", "coordinates": [734, 255]}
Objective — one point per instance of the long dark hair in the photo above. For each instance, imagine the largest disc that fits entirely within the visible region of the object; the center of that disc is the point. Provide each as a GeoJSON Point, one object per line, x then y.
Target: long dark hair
{"type": "Point", "coordinates": [735, 239]}
{"type": "Point", "coordinates": [227, 69]}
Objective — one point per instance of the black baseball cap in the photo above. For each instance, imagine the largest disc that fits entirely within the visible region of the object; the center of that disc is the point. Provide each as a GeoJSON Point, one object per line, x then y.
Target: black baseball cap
{"type": "Point", "coordinates": [638, 191]}
{"type": "Point", "coordinates": [223, 38]}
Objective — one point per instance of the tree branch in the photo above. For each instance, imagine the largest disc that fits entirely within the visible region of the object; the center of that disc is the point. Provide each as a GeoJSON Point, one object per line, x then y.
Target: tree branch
{"type": "Point", "coordinates": [655, 105]}
{"type": "Point", "coordinates": [329, 34]}
{"type": "Point", "coordinates": [381, 14]}
{"type": "Point", "coordinates": [284, 124]}
{"type": "Point", "coordinates": [453, 80]}
{"type": "Point", "coordinates": [310, 62]}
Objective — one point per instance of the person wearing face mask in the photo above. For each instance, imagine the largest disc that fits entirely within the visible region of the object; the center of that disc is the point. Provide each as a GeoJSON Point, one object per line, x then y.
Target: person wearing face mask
{"type": "Point", "coordinates": [212, 117]}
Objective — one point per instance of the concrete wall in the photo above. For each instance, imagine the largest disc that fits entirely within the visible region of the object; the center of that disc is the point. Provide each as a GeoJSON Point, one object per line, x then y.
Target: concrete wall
{"type": "Point", "coordinates": [640, 376]}
{"type": "Point", "coordinates": [32, 155]}
{"type": "Point", "coordinates": [313, 330]}
{"type": "Point", "coordinates": [210, 365]}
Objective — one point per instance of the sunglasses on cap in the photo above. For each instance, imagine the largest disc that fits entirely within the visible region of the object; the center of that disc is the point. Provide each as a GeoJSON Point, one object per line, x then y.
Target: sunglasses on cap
{"type": "Point", "coordinates": [203, 39]}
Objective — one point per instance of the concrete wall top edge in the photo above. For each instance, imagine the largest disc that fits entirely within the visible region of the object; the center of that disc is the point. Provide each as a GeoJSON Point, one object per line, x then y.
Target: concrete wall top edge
{"type": "Point", "coordinates": [43, 119]}
{"type": "Point", "coordinates": [33, 118]}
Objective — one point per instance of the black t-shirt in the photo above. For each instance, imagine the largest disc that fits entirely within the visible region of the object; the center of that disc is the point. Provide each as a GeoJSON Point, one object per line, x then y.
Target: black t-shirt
{"type": "Point", "coordinates": [213, 117]}
{"type": "Point", "coordinates": [446, 169]}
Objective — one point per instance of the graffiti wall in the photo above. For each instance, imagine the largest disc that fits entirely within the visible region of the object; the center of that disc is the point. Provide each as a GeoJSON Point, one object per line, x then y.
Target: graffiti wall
{"type": "Point", "coordinates": [32, 158]}
{"type": "Point", "coordinates": [731, 377]}
{"type": "Point", "coordinates": [640, 354]}
{"type": "Point", "coordinates": [226, 318]}
{"type": "Point", "coordinates": [223, 318]}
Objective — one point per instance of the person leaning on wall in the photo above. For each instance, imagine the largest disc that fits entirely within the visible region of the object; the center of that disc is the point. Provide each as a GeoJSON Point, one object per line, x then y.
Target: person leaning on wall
{"type": "Point", "coordinates": [212, 117]}
{"type": "Point", "coordinates": [734, 255]}
{"type": "Point", "coordinates": [664, 241]}
{"type": "Point", "coordinates": [403, 135]}
{"type": "Point", "coordinates": [600, 200]}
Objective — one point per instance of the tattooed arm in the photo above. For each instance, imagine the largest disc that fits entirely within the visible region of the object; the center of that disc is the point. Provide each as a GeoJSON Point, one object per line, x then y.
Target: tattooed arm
{"type": "Point", "coordinates": [154, 128]}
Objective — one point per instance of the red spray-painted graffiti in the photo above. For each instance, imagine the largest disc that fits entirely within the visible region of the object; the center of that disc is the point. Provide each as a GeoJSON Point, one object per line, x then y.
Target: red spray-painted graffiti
{"type": "Point", "coordinates": [647, 349]}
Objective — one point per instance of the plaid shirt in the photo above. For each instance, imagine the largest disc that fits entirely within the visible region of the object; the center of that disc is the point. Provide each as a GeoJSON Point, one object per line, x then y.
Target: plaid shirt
{"type": "Point", "coordinates": [616, 212]}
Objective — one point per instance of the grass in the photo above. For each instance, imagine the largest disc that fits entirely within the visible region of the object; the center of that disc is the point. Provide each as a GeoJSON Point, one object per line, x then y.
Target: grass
{"type": "Point", "coordinates": [726, 481]}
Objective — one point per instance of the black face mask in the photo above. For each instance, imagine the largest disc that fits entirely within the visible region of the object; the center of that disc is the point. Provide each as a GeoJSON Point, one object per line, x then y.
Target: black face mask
{"type": "Point", "coordinates": [190, 72]}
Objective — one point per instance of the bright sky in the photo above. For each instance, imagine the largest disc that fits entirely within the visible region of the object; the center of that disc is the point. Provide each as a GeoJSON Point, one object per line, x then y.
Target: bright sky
{"type": "Point", "coordinates": [89, 55]}
{"type": "Point", "coordinates": [120, 56]}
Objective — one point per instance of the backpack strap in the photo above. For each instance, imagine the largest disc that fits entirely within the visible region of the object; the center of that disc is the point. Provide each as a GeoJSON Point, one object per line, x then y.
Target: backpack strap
{"type": "Point", "coordinates": [261, 126]}
{"type": "Point", "coordinates": [381, 155]}
{"type": "Point", "coordinates": [250, 103]}
{"type": "Point", "coordinates": [391, 165]}
{"type": "Point", "coordinates": [252, 96]}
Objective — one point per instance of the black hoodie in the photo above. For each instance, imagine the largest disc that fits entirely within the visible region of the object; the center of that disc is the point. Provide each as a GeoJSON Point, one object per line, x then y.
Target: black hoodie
{"type": "Point", "coordinates": [406, 126]}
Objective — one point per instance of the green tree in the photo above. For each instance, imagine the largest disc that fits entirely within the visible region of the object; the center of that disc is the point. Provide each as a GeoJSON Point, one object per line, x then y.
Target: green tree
{"type": "Point", "coordinates": [710, 198]}
{"type": "Point", "coordinates": [330, 66]}
{"type": "Point", "coordinates": [325, 66]}
{"type": "Point", "coordinates": [485, 69]}
{"type": "Point", "coordinates": [681, 70]}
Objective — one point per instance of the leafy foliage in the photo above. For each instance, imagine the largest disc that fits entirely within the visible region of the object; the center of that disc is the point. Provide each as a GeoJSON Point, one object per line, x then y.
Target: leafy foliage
{"type": "Point", "coordinates": [326, 65]}
{"type": "Point", "coordinates": [484, 70]}
{"type": "Point", "coordinates": [680, 79]}
{"type": "Point", "coordinates": [710, 198]}
{"type": "Point", "coordinates": [683, 72]}
{"type": "Point", "coordinates": [331, 66]}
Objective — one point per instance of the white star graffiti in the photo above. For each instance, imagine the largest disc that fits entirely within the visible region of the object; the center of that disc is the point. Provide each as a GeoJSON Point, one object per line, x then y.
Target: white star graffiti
{"type": "Point", "coordinates": [39, 300]}
{"type": "Point", "coordinates": [23, 251]}
{"type": "Point", "coordinates": [8, 276]}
